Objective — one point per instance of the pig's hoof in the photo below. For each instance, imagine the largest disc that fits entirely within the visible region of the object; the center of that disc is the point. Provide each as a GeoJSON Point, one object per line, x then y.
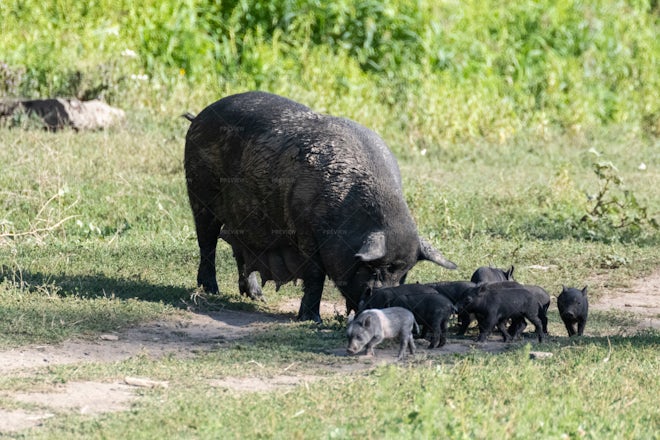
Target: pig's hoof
{"type": "Point", "coordinates": [209, 286]}
{"type": "Point", "coordinates": [307, 316]}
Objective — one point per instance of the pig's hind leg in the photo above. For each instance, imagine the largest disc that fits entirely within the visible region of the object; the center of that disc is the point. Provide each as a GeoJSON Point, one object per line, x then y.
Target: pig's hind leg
{"type": "Point", "coordinates": [486, 325]}
{"type": "Point", "coordinates": [463, 323]}
{"type": "Point", "coordinates": [439, 338]}
{"type": "Point", "coordinates": [517, 327]}
{"type": "Point", "coordinates": [208, 229]}
{"type": "Point", "coordinates": [538, 326]}
{"type": "Point", "coordinates": [407, 341]}
{"type": "Point", "coordinates": [501, 325]}
{"type": "Point", "coordinates": [543, 314]}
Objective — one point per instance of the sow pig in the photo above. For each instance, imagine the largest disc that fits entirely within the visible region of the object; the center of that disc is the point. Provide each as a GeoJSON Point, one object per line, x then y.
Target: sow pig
{"type": "Point", "coordinates": [298, 195]}
{"type": "Point", "coordinates": [431, 310]}
{"type": "Point", "coordinates": [493, 306]}
{"type": "Point", "coordinates": [573, 308]}
{"type": "Point", "coordinates": [371, 326]}
{"type": "Point", "coordinates": [491, 274]}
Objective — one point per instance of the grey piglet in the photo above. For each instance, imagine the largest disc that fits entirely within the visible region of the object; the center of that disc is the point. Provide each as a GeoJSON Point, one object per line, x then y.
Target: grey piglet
{"type": "Point", "coordinates": [372, 326]}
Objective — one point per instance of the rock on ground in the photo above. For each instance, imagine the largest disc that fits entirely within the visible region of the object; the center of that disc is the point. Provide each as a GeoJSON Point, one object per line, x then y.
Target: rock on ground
{"type": "Point", "coordinates": [59, 113]}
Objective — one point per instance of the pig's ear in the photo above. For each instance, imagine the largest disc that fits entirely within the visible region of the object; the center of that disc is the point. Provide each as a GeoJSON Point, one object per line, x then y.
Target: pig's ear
{"type": "Point", "coordinates": [509, 273]}
{"type": "Point", "coordinates": [367, 322]}
{"type": "Point", "coordinates": [428, 252]}
{"type": "Point", "coordinates": [373, 247]}
{"type": "Point", "coordinates": [584, 291]}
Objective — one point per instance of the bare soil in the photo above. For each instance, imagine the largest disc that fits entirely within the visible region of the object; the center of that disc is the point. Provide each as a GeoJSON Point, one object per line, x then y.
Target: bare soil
{"type": "Point", "coordinates": [642, 299]}
{"type": "Point", "coordinates": [198, 332]}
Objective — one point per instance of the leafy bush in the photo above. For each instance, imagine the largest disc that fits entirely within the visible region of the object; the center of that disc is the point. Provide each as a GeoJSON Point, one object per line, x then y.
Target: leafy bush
{"type": "Point", "coordinates": [611, 214]}
{"type": "Point", "coordinates": [444, 69]}
{"type": "Point", "coordinates": [614, 210]}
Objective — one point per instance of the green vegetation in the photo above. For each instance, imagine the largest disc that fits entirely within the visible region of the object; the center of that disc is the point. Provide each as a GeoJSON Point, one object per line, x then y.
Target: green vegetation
{"type": "Point", "coordinates": [527, 134]}
{"type": "Point", "coordinates": [431, 71]}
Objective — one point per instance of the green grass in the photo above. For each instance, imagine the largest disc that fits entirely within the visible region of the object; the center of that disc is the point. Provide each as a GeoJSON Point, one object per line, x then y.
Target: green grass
{"type": "Point", "coordinates": [440, 70]}
{"type": "Point", "coordinates": [591, 388]}
{"type": "Point", "coordinates": [497, 114]}
{"type": "Point", "coordinates": [128, 256]}
{"type": "Point", "coordinates": [129, 233]}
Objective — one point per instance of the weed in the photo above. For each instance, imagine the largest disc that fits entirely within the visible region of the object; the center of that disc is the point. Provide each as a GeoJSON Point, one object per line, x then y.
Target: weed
{"type": "Point", "coordinates": [614, 210]}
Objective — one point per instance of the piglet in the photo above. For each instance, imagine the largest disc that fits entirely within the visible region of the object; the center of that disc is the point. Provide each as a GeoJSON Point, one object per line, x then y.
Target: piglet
{"type": "Point", "coordinates": [573, 308]}
{"type": "Point", "coordinates": [430, 309]}
{"type": "Point", "coordinates": [371, 326]}
{"type": "Point", "coordinates": [489, 274]}
{"type": "Point", "coordinates": [494, 305]}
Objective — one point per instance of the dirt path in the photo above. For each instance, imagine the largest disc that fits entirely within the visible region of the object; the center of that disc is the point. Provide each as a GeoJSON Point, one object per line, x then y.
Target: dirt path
{"type": "Point", "coordinates": [183, 336]}
{"type": "Point", "coordinates": [202, 331]}
{"type": "Point", "coordinates": [642, 298]}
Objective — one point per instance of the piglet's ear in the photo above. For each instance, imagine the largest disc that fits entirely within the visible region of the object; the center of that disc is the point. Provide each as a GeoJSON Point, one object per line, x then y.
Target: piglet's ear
{"type": "Point", "coordinates": [584, 291]}
{"type": "Point", "coordinates": [367, 322]}
{"type": "Point", "coordinates": [373, 247]}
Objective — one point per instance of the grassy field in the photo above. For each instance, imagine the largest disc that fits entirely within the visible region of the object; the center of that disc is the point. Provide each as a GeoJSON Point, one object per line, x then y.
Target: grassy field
{"type": "Point", "coordinates": [107, 242]}
{"type": "Point", "coordinates": [526, 134]}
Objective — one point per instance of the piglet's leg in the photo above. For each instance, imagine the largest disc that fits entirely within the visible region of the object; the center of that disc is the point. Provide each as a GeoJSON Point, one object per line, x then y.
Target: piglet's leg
{"type": "Point", "coordinates": [569, 328]}
{"type": "Point", "coordinates": [411, 344]}
{"type": "Point", "coordinates": [485, 329]}
{"type": "Point", "coordinates": [538, 326]}
{"type": "Point", "coordinates": [502, 328]}
{"type": "Point", "coordinates": [371, 344]}
{"type": "Point", "coordinates": [402, 347]}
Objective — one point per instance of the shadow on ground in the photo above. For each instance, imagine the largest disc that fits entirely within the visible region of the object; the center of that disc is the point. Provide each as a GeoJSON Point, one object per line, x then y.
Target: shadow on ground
{"type": "Point", "coordinates": [102, 286]}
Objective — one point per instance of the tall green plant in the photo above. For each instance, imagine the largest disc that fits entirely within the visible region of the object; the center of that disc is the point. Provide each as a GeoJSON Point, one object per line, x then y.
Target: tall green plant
{"type": "Point", "coordinates": [474, 69]}
{"type": "Point", "coordinates": [614, 210]}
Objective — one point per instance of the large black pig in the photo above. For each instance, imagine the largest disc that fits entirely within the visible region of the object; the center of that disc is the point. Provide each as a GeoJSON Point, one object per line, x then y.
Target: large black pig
{"type": "Point", "coordinates": [298, 195]}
